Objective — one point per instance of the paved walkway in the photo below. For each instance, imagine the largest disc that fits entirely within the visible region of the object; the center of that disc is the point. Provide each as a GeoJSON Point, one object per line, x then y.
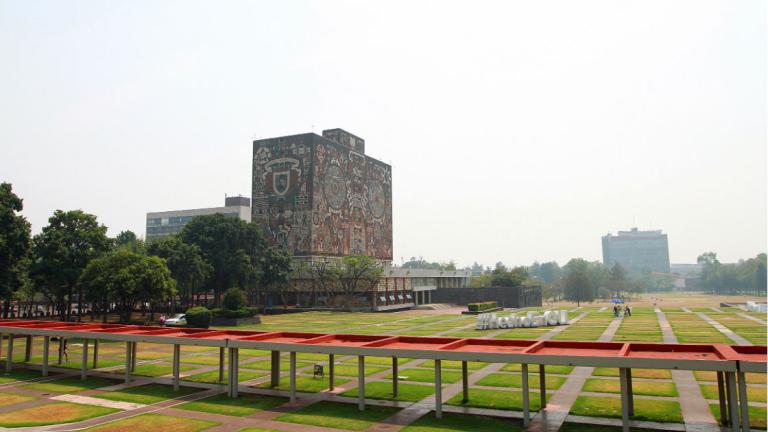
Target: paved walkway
{"type": "Point", "coordinates": [750, 317]}
{"type": "Point", "coordinates": [696, 414]}
{"type": "Point", "coordinates": [724, 330]}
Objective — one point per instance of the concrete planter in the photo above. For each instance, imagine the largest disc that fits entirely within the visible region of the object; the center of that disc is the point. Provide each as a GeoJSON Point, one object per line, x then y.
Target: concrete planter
{"type": "Point", "coordinates": [221, 321]}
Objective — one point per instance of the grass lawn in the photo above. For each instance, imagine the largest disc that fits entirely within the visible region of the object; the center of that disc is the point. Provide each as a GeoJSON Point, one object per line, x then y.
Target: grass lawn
{"type": "Point", "coordinates": [454, 364]}
{"type": "Point", "coordinates": [155, 422]}
{"type": "Point", "coordinates": [757, 416]}
{"type": "Point", "coordinates": [70, 385]}
{"type": "Point", "coordinates": [248, 352]}
{"type": "Point", "coordinates": [497, 399]}
{"type": "Point", "coordinates": [534, 369]}
{"type": "Point", "coordinates": [338, 415]}
{"type": "Point", "coordinates": [752, 378]}
{"type": "Point", "coordinates": [578, 427]}
{"type": "Point", "coordinates": [244, 405]}
{"type": "Point", "coordinates": [304, 384]}
{"type": "Point", "coordinates": [346, 369]}
{"type": "Point", "coordinates": [652, 410]}
{"type": "Point", "coordinates": [754, 394]}
{"type": "Point", "coordinates": [213, 376]}
{"type": "Point", "coordinates": [647, 388]}
{"type": "Point", "coordinates": [18, 375]}
{"type": "Point", "coordinates": [76, 362]}
{"type": "Point", "coordinates": [382, 361]}
{"type": "Point", "coordinates": [255, 429]}
{"type": "Point", "coordinates": [146, 394]}
{"type": "Point", "coordinates": [383, 390]}
{"type": "Point", "coordinates": [267, 365]}
{"type": "Point", "coordinates": [54, 413]}
{"type": "Point", "coordinates": [461, 423]}
{"type": "Point", "coordinates": [207, 360]}
{"type": "Point", "coordinates": [510, 380]}
{"type": "Point", "coordinates": [153, 370]}
{"type": "Point", "coordinates": [426, 375]}
{"type": "Point", "coordinates": [636, 373]}
{"type": "Point", "coordinates": [12, 399]}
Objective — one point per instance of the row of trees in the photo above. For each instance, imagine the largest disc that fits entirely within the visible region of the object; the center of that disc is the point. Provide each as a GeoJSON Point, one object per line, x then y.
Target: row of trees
{"type": "Point", "coordinates": [73, 260]}
{"type": "Point", "coordinates": [744, 277]}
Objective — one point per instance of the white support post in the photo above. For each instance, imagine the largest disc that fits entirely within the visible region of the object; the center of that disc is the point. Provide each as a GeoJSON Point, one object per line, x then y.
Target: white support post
{"type": "Point", "coordinates": [743, 401]}
{"type": "Point", "coordinates": [361, 383]}
{"type": "Point", "coordinates": [235, 370]}
{"type": "Point", "coordinates": [176, 368]}
{"type": "Point", "coordinates": [733, 403]}
{"type": "Point", "coordinates": [292, 376]}
{"type": "Point", "coordinates": [95, 353]}
{"type": "Point", "coordinates": [526, 395]}
{"type": "Point", "coordinates": [128, 352]}
{"type": "Point", "coordinates": [394, 377]}
{"type": "Point", "coordinates": [84, 367]}
{"type": "Point", "coordinates": [624, 399]}
{"type": "Point", "coordinates": [9, 356]}
{"type": "Point", "coordinates": [438, 389]}
{"type": "Point", "coordinates": [46, 349]}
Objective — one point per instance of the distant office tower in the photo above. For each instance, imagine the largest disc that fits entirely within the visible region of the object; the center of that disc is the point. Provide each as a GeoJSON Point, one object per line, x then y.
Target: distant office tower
{"type": "Point", "coordinates": [637, 251]}
{"type": "Point", "coordinates": [161, 224]}
{"type": "Point", "coordinates": [322, 195]}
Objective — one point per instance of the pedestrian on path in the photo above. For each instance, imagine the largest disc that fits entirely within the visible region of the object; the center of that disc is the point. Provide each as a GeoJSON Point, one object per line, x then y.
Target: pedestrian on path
{"type": "Point", "coordinates": [627, 311]}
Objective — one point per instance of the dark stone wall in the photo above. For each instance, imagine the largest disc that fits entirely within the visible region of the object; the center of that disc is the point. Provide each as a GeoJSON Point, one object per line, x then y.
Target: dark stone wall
{"type": "Point", "coordinates": [514, 297]}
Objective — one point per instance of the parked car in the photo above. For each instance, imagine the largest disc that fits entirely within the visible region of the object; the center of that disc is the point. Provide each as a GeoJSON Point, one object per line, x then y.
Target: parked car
{"type": "Point", "coordinates": [177, 320]}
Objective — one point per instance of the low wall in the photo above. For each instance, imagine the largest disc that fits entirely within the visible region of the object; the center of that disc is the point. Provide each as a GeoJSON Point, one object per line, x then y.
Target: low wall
{"type": "Point", "coordinates": [511, 297]}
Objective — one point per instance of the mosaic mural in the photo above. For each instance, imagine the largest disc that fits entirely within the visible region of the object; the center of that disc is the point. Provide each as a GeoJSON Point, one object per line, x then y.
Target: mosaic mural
{"type": "Point", "coordinates": [314, 196]}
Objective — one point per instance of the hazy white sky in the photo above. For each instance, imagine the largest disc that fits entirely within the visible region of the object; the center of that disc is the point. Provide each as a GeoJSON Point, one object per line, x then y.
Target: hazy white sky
{"type": "Point", "coordinates": [517, 131]}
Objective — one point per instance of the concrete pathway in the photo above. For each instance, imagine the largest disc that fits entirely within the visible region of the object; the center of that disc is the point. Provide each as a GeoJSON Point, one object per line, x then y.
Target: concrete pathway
{"type": "Point", "coordinates": [87, 400]}
{"type": "Point", "coordinates": [724, 330]}
{"type": "Point", "coordinates": [696, 414]}
{"type": "Point", "coordinates": [750, 317]}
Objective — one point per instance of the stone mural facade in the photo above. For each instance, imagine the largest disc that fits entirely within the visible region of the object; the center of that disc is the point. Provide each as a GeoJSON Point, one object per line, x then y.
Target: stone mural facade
{"type": "Point", "coordinates": [322, 196]}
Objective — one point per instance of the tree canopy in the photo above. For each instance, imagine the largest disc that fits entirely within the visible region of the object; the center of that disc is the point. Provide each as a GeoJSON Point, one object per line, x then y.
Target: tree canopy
{"type": "Point", "coordinates": [14, 244]}
{"type": "Point", "coordinates": [186, 264]}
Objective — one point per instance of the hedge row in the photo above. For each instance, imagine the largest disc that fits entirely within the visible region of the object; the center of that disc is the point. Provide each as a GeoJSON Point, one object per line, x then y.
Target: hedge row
{"type": "Point", "coordinates": [482, 306]}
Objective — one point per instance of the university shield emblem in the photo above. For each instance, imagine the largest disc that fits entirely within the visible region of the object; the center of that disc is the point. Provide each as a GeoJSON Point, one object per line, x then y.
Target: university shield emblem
{"type": "Point", "coordinates": [282, 181]}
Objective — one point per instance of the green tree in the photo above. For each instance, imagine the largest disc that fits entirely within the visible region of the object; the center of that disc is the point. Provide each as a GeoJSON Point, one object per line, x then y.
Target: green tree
{"type": "Point", "coordinates": [578, 287]}
{"type": "Point", "coordinates": [14, 245]}
{"type": "Point", "coordinates": [187, 266]}
{"type": "Point", "coordinates": [274, 271]}
{"type": "Point", "coordinates": [127, 279]}
{"type": "Point", "coordinates": [129, 241]}
{"type": "Point", "coordinates": [231, 246]}
{"type": "Point", "coordinates": [502, 278]}
{"type": "Point", "coordinates": [618, 279]}
{"type": "Point", "coordinates": [234, 299]}
{"type": "Point", "coordinates": [358, 274]}
{"type": "Point", "coordinates": [62, 251]}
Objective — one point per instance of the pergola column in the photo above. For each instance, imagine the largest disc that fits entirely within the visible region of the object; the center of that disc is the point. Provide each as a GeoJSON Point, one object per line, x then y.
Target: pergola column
{"type": "Point", "coordinates": [28, 349]}
{"type": "Point", "coordinates": [176, 368]}
{"type": "Point", "coordinates": [9, 356]}
{"type": "Point", "coordinates": [275, 373]}
{"type": "Point", "coordinates": [221, 363]}
{"type": "Point", "coordinates": [331, 377]}
{"type": "Point", "coordinates": [134, 349]}
{"type": "Point", "coordinates": [543, 386]}
{"type": "Point", "coordinates": [128, 353]}
{"type": "Point", "coordinates": [234, 360]}
{"type": "Point", "coordinates": [84, 367]}
{"type": "Point", "coordinates": [526, 395]}
{"type": "Point", "coordinates": [61, 350]}
{"type": "Point", "coordinates": [464, 382]}
{"type": "Point", "coordinates": [630, 393]}
{"type": "Point", "coordinates": [733, 403]}
{"type": "Point", "coordinates": [46, 349]}
{"type": "Point", "coordinates": [394, 377]}
{"type": "Point", "coordinates": [292, 374]}
{"type": "Point", "coordinates": [95, 353]}
{"type": "Point", "coordinates": [743, 401]}
{"type": "Point", "coordinates": [361, 383]}
{"type": "Point", "coordinates": [624, 399]}
{"type": "Point", "coordinates": [721, 399]}
{"type": "Point", "coordinates": [438, 388]}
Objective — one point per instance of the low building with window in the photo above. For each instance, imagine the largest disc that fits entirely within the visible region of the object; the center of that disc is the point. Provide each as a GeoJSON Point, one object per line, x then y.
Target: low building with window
{"type": "Point", "coordinates": [161, 224]}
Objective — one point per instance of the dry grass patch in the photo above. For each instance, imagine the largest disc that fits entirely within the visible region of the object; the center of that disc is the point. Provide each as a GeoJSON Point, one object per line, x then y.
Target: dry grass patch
{"type": "Point", "coordinates": [154, 423]}
{"type": "Point", "coordinates": [62, 412]}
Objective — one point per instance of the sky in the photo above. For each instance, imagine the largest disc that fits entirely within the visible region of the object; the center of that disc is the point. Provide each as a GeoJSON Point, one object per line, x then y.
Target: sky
{"type": "Point", "coordinates": [517, 131]}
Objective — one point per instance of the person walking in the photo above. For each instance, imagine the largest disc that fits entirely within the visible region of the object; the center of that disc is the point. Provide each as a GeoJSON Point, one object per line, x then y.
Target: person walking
{"type": "Point", "coordinates": [627, 311]}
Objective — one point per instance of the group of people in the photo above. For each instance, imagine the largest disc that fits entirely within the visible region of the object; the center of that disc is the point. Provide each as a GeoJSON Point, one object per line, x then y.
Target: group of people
{"type": "Point", "coordinates": [617, 310]}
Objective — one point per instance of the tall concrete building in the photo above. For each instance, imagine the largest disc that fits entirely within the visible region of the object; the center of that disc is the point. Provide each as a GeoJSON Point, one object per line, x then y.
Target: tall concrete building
{"type": "Point", "coordinates": [322, 195]}
{"type": "Point", "coordinates": [161, 224]}
{"type": "Point", "coordinates": [637, 251]}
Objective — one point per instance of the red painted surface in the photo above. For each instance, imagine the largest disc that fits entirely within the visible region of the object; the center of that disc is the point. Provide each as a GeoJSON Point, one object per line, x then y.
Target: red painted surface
{"type": "Point", "coordinates": [757, 354]}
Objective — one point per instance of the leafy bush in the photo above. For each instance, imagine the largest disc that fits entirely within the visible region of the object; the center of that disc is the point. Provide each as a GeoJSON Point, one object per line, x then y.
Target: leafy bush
{"type": "Point", "coordinates": [234, 299]}
{"type": "Point", "coordinates": [482, 306]}
{"type": "Point", "coordinates": [199, 317]}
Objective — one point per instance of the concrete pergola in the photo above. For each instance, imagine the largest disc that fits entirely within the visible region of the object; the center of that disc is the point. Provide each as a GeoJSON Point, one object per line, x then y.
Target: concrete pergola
{"type": "Point", "coordinates": [729, 362]}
